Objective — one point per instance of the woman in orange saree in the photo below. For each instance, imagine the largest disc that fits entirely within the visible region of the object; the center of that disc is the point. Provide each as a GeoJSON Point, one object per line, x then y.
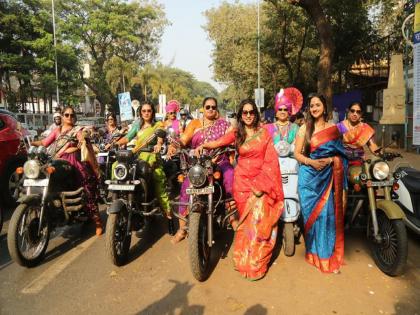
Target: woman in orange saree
{"type": "Point", "coordinates": [356, 134]}
{"type": "Point", "coordinates": [321, 184]}
{"type": "Point", "coordinates": [257, 190]}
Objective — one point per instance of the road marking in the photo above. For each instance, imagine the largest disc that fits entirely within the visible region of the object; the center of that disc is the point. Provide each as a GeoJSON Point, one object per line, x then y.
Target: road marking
{"type": "Point", "coordinates": [52, 272]}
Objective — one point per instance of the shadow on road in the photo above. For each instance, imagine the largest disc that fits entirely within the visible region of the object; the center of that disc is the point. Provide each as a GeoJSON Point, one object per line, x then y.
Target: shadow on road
{"type": "Point", "coordinates": [409, 303]}
{"type": "Point", "coordinates": [257, 309]}
{"type": "Point", "coordinates": [175, 302]}
{"type": "Point", "coordinates": [153, 233]}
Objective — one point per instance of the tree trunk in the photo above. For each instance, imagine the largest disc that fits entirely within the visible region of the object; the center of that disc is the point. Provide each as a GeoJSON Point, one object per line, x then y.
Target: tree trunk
{"type": "Point", "coordinates": [314, 10]}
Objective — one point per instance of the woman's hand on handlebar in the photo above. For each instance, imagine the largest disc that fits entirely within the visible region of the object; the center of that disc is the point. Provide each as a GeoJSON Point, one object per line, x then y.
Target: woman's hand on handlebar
{"type": "Point", "coordinates": [157, 148]}
{"type": "Point", "coordinates": [199, 150]}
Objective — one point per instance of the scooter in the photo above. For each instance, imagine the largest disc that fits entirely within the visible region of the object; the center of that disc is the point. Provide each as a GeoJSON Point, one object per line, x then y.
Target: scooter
{"type": "Point", "coordinates": [407, 196]}
{"type": "Point", "coordinates": [289, 167]}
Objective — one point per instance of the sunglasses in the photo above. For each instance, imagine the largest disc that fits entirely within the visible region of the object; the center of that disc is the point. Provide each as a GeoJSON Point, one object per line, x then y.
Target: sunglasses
{"type": "Point", "coordinates": [208, 107]}
{"type": "Point", "coordinates": [282, 110]}
{"type": "Point", "coordinates": [146, 110]}
{"type": "Point", "coordinates": [251, 113]}
{"type": "Point", "coordinates": [357, 111]}
{"type": "Point", "coordinates": [171, 113]}
{"type": "Point", "coordinates": [67, 115]}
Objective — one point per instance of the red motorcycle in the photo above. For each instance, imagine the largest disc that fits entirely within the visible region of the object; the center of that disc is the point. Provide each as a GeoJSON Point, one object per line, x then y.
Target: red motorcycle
{"type": "Point", "coordinates": [12, 156]}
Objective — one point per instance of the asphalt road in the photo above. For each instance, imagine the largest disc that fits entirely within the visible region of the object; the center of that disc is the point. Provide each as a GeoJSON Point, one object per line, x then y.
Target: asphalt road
{"type": "Point", "coordinates": [78, 278]}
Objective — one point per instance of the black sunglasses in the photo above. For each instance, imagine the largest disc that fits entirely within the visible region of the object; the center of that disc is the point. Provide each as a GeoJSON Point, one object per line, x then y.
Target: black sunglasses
{"type": "Point", "coordinates": [208, 107]}
{"type": "Point", "coordinates": [171, 113]}
{"type": "Point", "coordinates": [282, 110]}
{"type": "Point", "coordinates": [357, 111]}
{"type": "Point", "coordinates": [69, 115]}
{"type": "Point", "coordinates": [248, 112]}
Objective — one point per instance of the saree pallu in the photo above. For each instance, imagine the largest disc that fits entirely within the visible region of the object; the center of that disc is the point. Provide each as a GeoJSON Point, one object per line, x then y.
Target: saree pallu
{"type": "Point", "coordinates": [257, 170]}
{"type": "Point", "coordinates": [321, 198]}
{"type": "Point", "coordinates": [354, 139]}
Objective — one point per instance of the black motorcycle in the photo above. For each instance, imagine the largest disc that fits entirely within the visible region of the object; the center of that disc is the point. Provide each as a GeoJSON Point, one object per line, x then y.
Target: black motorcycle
{"type": "Point", "coordinates": [207, 211]}
{"type": "Point", "coordinates": [52, 198]}
{"type": "Point", "coordinates": [133, 202]}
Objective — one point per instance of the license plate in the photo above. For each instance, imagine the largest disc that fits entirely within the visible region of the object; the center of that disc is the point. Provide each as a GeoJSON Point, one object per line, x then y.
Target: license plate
{"type": "Point", "coordinates": [121, 187]}
{"type": "Point", "coordinates": [200, 191]}
{"type": "Point", "coordinates": [382, 184]}
{"type": "Point", "coordinates": [35, 182]}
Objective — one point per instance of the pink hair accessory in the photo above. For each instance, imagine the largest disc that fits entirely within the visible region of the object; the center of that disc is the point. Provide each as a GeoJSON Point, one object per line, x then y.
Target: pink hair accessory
{"type": "Point", "coordinates": [289, 97]}
{"type": "Point", "coordinates": [172, 106]}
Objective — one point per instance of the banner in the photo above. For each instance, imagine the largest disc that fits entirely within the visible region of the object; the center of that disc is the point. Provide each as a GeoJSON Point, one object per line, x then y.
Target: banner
{"type": "Point", "coordinates": [124, 101]}
{"type": "Point", "coordinates": [416, 76]}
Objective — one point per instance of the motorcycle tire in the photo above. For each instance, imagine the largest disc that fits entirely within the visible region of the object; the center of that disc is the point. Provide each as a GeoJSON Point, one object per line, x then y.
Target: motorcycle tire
{"type": "Point", "coordinates": [117, 241]}
{"type": "Point", "coordinates": [1, 219]}
{"type": "Point", "coordinates": [9, 178]}
{"type": "Point", "coordinates": [390, 255]}
{"type": "Point", "coordinates": [15, 240]}
{"type": "Point", "coordinates": [288, 239]}
{"type": "Point", "coordinates": [198, 249]}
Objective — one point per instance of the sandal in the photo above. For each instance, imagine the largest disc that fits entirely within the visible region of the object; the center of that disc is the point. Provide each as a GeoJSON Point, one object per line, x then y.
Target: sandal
{"type": "Point", "coordinates": [179, 236]}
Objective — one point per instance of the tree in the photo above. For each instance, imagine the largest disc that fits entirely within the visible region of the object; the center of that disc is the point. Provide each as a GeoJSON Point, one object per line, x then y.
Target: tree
{"type": "Point", "coordinates": [102, 30]}
{"type": "Point", "coordinates": [327, 47]}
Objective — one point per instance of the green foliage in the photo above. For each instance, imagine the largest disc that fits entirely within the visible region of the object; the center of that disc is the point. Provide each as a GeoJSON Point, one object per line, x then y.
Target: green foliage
{"type": "Point", "coordinates": [114, 37]}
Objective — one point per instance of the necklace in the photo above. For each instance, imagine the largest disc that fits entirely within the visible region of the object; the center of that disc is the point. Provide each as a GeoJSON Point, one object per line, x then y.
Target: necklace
{"type": "Point", "coordinates": [282, 124]}
{"type": "Point", "coordinates": [351, 126]}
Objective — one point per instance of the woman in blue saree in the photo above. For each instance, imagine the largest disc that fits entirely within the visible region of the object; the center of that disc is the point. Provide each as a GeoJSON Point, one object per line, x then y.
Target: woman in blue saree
{"type": "Point", "coordinates": [321, 184]}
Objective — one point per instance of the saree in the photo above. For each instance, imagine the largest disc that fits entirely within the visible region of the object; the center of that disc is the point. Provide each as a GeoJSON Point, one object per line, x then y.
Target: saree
{"type": "Point", "coordinates": [321, 198]}
{"type": "Point", "coordinates": [257, 171]}
{"type": "Point", "coordinates": [87, 170]}
{"type": "Point", "coordinates": [145, 138]}
{"type": "Point", "coordinates": [199, 135]}
{"type": "Point", "coordinates": [354, 139]}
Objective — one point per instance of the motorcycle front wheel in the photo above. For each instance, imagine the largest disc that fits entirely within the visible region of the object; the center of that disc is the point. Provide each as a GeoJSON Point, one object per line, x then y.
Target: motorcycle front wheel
{"type": "Point", "coordinates": [116, 239]}
{"type": "Point", "coordinates": [389, 254]}
{"type": "Point", "coordinates": [198, 249]}
{"type": "Point", "coordinates": [26, 246]}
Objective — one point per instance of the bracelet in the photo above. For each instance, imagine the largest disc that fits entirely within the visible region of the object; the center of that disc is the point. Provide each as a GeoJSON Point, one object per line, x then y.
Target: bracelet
{"type": "Point", "coordinates": [305, 161]}
{"type": "Point", "coordinates": [331, 160]}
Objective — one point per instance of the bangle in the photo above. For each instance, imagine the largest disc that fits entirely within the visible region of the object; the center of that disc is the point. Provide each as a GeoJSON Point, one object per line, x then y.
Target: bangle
{"type": "Point", "coordinates": [331, 160]}
{"type": "Point", "coordinates": [305, 161]}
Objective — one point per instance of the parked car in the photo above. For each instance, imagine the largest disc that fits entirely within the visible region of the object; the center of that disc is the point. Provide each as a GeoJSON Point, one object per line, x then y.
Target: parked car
{"type": "Point", "coordinates": [12, 156]}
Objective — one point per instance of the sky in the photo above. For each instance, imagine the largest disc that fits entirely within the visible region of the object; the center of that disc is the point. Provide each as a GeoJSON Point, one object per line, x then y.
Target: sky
{"type": "Point", "coordinates": [185, 42]}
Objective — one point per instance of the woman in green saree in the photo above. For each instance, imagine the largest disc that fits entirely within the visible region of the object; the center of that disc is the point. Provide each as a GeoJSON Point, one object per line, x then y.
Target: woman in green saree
{"type": "Point", "coordinates": [144, 129]}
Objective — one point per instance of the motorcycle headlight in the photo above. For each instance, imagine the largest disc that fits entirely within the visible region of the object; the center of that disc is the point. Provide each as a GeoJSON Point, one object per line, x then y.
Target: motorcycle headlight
{"type": "Point", "coordinates": [197, 175]}
{"type": "Point", "coordinates": [41, 150]}
{"type": "Point", "coordinates": [120, 172]}
{"type": "Point", "coordinates": [380, 170]}
{"type": "Point", "coordinates": [31, 169]}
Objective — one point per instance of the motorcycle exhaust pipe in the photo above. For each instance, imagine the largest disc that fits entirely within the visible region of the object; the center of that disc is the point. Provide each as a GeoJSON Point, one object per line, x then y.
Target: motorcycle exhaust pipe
{"type": "Point", "coordinates": [210, 221]}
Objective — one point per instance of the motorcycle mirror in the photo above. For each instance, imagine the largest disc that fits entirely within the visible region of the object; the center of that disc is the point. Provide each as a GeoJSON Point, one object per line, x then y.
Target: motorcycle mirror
{"type": "Point", "coordinates": [171, 132]}
{"type": "Point", "coordinates": [160, 133]}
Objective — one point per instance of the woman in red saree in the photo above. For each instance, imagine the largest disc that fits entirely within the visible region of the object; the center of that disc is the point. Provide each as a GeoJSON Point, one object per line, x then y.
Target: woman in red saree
{"type": "Point", "coordinates": [257, 190]}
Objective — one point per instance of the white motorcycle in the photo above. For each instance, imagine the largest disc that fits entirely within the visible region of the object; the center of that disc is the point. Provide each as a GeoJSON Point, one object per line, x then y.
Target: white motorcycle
{"type": "Point", "coordinates": [289, 167]}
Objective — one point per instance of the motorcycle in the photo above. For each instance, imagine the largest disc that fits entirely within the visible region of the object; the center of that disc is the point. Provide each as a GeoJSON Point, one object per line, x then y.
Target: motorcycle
{"type": "Point", "coordinates": [52, 198]}
{"type": "Point", "coordinates": [372, 184]}
{"type": "Point", "coordinates": [172, 165]}
{"type": "Point", "coordinates": [407, 196]}
{"type": "Point", "coordinates": [207, 211]}
{"type": "Point", "coordinates": [133, 202]}
{"type": "Point", "coordinates": [291, 213]}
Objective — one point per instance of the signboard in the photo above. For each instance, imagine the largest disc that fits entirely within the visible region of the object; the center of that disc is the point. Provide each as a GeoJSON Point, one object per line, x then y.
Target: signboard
{"type": "Point", "coordinates": [135, 104]}
{"type": "Point", "coordinates": [162, 103]}
{"type": "Point", "coordinates": [416, 76]}
{"type": "Point", "coordinates": [259, 97]}
{"type": "Point", "coordinates": [124, 101]}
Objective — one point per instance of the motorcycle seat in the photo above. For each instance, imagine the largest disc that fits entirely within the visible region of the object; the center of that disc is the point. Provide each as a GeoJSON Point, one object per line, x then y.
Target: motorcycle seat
{"type": "Point", "coordinates": [410, 178]}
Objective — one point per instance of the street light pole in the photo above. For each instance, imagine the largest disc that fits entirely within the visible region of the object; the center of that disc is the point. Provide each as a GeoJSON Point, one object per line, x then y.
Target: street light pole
{"type": "Point", "coordinates": [258, 45]}
{"type": "Point", "coordinates": [55, 53]}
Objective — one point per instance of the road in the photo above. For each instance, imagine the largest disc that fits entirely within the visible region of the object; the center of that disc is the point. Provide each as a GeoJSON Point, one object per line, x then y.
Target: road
{"type": "Point", "coordinates": [78, 277]}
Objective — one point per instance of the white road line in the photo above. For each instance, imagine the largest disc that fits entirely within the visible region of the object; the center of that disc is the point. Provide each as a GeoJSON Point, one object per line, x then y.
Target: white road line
{"type": "Point", "coordinates": [48, 275]}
